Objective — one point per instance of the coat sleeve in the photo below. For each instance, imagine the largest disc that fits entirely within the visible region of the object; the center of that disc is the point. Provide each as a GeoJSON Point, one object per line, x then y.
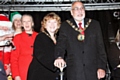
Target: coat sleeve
{"type": "Point", "coordinates": [43, 52]}
{"type": "Point", "coordinates": [102, 59]}
{"type": "Point", "coordinates": [15, 56]}
{"type": "Point", "coordinates": [61, 45]}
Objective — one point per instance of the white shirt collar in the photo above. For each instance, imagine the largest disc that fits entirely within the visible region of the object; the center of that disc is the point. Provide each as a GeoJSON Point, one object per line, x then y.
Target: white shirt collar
{"type": "Point", "coordinates": [78, 23]}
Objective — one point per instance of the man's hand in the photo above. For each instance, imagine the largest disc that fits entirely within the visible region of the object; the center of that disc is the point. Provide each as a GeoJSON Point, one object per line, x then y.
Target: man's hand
{"type": "Point", "coordinates": [17, 78]}
{"type": "Point", "coordinates": [60, 63]}
{"type": "Point", "coordinates": [9, 36]}
{"type": "Point", "coordinates": [100, 73]}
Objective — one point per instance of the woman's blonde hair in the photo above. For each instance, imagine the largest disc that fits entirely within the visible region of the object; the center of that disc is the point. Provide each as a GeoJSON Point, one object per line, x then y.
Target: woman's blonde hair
{"type": "Point", "coordinates": [49, 16]}
{"type": "Point", "coordinates": [117, 38]}
{"type": "Point", "coordinates": [13, 26]}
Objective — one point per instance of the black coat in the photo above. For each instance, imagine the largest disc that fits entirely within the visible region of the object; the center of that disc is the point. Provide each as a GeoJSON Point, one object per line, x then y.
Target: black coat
{"type": "Point", "coordinates": [42, 65]}
{"type": "Point", "coordinates": [84, 58]}
{"type": "Point", "coordinates": [113, 58]}
{"type": "Point", "coordinates": [3, 75]}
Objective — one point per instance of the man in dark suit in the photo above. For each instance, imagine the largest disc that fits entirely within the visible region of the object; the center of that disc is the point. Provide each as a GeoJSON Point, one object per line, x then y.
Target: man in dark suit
{"type": "Point", "coordinates": [86, 57]}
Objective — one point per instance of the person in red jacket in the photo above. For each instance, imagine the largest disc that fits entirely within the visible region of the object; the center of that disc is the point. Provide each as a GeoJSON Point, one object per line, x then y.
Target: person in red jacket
{"type": "Point", "coordinates": [22, 55]}
{"type": "Point", "coordinates": [6, 35]}
{"type": "Point", "coordinates": [16, 22]}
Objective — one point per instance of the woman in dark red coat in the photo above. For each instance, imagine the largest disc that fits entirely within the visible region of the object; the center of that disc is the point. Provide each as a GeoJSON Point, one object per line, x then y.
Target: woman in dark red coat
{"type": "Point", "coordinates": [41, 67]}
{"type": "Point", "coordinates": [22, 55]}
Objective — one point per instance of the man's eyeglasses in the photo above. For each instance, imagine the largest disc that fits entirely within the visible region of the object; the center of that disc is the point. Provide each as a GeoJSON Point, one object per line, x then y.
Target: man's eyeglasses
{"type": "Point", "coordinates": [76, 8]}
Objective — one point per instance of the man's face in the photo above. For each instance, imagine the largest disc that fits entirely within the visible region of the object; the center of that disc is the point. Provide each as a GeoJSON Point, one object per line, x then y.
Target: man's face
{"type": "Point", "coordinates": [78, 11]}
{"type": "Point", "coordinates": [5, 28]}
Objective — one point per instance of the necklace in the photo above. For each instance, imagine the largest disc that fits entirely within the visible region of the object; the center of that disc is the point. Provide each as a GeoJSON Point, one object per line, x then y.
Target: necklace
{"type": "Point", "coordinates": [80, 36]}
{"type": "Point", "coordinates": [54, 40]}
{"type": "Point", "coordinates": [46, 34]}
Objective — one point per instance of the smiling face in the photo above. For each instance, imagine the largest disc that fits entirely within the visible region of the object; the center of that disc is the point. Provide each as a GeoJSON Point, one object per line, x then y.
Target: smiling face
{"type": "Point", "coordinates": [51, 25]}
{"type": "Point", "coordinates": [78, 11]}
{"type": "Point", "coordinates": [27, 23]}
{"type": "Point", "coordinates": [51, 22]}
{"type": "Point", "coordinates": [17, 23]}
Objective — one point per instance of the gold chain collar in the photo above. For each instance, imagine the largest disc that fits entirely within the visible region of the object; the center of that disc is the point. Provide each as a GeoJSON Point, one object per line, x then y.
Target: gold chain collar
{"type": "Point", "coordinates": [48, 34]}
{"type": "Point", "coordinates": [76, 28]}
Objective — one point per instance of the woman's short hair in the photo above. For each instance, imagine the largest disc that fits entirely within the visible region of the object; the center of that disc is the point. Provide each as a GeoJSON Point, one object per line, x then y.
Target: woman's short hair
{"type": "Point", "coordinates": [31, 18]}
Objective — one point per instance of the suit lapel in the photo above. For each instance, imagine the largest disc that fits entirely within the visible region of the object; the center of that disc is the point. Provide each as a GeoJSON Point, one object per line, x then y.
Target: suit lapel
{"type": "Point", "coordinates": [85, 22]}
{"type": "Point", "coordinates": [74, 23]}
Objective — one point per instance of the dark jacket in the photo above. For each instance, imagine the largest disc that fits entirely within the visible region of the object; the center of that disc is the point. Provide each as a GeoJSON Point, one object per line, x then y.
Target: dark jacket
{"type": "Point", "coordinates": [42, 65]}
{"type": "Point", "coordinates": [3, 75]}
{"type": "Point", "coordinates": [113, 58]}
{"type": "Point", "coordinates": [84, 58]}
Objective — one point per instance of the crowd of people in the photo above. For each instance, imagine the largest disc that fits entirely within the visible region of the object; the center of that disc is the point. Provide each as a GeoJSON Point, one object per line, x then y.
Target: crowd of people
{"type": "Point", "coordinates": [75, 44]}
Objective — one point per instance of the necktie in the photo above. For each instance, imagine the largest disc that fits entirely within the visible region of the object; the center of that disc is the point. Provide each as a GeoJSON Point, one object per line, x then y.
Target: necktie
{"type": "Point", "coordinates": [82, 29]}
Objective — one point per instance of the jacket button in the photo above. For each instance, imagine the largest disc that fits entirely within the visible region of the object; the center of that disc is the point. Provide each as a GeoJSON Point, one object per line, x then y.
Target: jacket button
{"type": "Point", "coordinates": [83, 64]}
{"type": "Point", "coordinates": [83, 52]}
{"type": "Point", "coordinates": [31, 46]}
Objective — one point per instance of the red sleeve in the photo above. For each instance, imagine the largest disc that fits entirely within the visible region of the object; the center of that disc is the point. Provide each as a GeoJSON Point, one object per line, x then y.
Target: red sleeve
{"type": "Point", "coordinates": [6, 59]}
{"type": "Point", "coordinates": [15, 56]}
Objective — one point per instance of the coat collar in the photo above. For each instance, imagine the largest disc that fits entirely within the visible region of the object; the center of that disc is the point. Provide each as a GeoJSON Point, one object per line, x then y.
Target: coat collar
{"type": "Point", "coordinates": [24, 33]}
{"type": "Point", "coordinates": [85, 21]}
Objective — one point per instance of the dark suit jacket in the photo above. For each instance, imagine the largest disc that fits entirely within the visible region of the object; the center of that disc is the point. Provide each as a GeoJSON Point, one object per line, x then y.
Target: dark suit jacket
{"type": "Point", "coordinates": [113, 58]}
{"type": "Point", "coordinates": [42, 65]}
{"type": "Point", "coordinates": [3, 75]}
{"type": "Point", "coordinates": [83, 58]}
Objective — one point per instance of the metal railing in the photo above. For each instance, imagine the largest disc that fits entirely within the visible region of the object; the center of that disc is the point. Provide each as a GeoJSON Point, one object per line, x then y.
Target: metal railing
{"type": "Point", "coordinates": [56, 5]}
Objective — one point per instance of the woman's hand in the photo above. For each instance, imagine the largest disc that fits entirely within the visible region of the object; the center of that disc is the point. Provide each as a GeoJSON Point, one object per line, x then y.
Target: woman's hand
{"type": "Point", "coordinates": [60, 63]}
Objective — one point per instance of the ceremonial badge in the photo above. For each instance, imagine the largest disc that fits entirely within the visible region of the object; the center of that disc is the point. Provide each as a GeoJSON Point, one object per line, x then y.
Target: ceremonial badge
{"type": "Point", "coordinates": [80, 37]}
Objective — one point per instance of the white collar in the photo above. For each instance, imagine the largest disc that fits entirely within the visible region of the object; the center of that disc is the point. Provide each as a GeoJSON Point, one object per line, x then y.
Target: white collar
{"type": "Point", "coordinates": [78, 23]}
